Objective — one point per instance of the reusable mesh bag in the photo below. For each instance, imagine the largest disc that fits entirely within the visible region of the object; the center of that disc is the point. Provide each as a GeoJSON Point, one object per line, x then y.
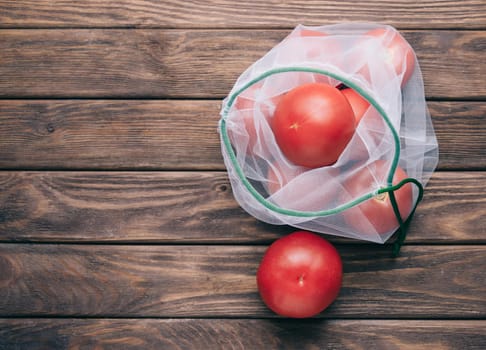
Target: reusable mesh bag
{"type": "Point", "coordinates": [395, 136]}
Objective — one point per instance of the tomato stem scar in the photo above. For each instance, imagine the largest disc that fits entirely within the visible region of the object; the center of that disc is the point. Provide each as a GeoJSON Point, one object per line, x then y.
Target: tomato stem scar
{"type": "Point", "coordinates": [301, 280]}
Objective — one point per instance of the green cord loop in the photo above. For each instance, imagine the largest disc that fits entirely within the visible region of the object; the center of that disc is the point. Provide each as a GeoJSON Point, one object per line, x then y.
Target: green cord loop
{"type": "Point", "coordinates": [310, 214]}
{"type": "Point", "coordinates": [404, 225]}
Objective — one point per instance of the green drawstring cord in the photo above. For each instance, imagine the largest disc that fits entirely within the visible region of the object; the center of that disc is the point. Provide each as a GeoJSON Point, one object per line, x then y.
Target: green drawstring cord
{"type": "Point", "coordinates": [389, 189]}
{"type": "Point", "coordinates": [404, 225]}
{"type": "Point", "coordinates": [295, 213]}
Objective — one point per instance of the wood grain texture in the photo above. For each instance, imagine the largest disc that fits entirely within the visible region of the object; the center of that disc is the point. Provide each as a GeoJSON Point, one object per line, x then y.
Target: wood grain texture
{"type": "Point", "coordinates": [241, 14]}
{"type": "Point", "coordinates": [110, 134]}
{"type": "Point", "coordinates": [196, 207]}
{"type": "Point", "coordinates": [191, 63]}
{"type": "Point", "coordinates": [173, 134]}
{"type": "Point", "coordinates": [460, 120]}
{"type": "Point", "coordinates": [118, 229]}
{"type": "Point", "coordinates": [219, 281]}
{"type": "Point", "coordinates": [180, 334]}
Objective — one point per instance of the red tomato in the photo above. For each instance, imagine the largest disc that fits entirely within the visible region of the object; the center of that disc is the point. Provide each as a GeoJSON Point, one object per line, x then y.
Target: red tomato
{"type": "Point", "coordinates": [300, 275]}
{"type": "Point", "coordinates": [377, 210]}
{"type": "Point", "coordinates": [312, 124]}
{"type": "Point", "coordinates": [359, 104]}
{"type": "Point", "coordinates": [398, 53]}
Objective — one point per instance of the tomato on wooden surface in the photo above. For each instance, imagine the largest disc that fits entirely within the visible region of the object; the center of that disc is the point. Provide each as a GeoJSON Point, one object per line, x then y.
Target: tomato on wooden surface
{"type": "Point", "coordinates": [397, 52]}
{"type": "Point", "coordinates": [300, 275]}
{"type": "Point", "coordinates": [377, 210]}
{"type": "Point", "coordinates": [312, 124]}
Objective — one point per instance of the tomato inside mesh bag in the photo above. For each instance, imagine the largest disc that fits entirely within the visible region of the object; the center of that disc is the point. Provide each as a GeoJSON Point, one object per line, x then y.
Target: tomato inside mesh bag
{"type": "Point", "coordinates": [374, 186]}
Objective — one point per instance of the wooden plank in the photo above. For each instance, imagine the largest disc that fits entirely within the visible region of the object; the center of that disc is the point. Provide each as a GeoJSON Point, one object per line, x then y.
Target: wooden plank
{"type": "Point", "coordinates": [241, 14]}
{"type": "Point", "coordinates": [460, 120]}
{"type": "Point", "coordinates": [240, 334]}
{"type": "Point", "coordinates": [110, 134]}
{"type": "Point", "coordinates": [148, 134]}
{"type": "Point", "coordinates": [195, 207]}
{"type": "Point", "coordinates": [219, 281]}
{"type": "Point", "coordinates": [190, 63]}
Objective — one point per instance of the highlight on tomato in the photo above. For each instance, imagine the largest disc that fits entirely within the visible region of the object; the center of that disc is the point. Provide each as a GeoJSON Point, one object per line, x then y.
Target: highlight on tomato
{"type": "Point", "coordinates": [300, 275]}
{"type": "Point", "coordinates": [312, 124]}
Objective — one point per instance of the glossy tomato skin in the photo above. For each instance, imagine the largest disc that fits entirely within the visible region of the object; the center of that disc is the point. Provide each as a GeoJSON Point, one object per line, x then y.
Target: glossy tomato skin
{"type": "Point", "coordinates": [377, 210]}
{"type": "Point", "coordinates": [398, 53]}
{"type": "Point", "coordinates": [312, 124]}
{"type": "Point", "coordinates": [300, 275]}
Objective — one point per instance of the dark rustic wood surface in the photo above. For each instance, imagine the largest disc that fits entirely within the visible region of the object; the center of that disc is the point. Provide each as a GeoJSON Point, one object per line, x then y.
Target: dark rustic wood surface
{"type": "Point", "coordinates": [241, 334]}
{"type": "Point", "coordinates": [156, 134]}
{"type": "Point", "coordinates": [152, 63]}
{"type": "Point", "coordinates": [219, 281]}
{"type": "Point", "coordinates": [195, 207]}
{"type": "Point", "coordinates": [118, 229]}
{"type": "Point", "coordinates": [242, 14]}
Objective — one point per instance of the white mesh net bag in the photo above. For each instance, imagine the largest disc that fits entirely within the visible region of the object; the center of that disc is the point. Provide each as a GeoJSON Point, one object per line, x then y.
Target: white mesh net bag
{"type": "Point", "coordinates": [377, 181]}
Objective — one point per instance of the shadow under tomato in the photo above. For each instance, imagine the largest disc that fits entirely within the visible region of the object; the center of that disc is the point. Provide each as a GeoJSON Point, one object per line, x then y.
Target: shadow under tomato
{"type": "Point", "coordinates": [300, 333]}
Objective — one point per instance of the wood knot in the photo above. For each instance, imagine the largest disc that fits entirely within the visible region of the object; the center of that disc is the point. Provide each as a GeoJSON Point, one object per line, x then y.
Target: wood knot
{"type": "Point", "coordinates": [50, 128]}
{"type": "Point", "coordinates": [222, 188]}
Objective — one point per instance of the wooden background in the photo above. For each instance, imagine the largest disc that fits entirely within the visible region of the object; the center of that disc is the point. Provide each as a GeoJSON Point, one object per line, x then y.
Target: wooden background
{"type": "Point", "coordinates": [118, 229]}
